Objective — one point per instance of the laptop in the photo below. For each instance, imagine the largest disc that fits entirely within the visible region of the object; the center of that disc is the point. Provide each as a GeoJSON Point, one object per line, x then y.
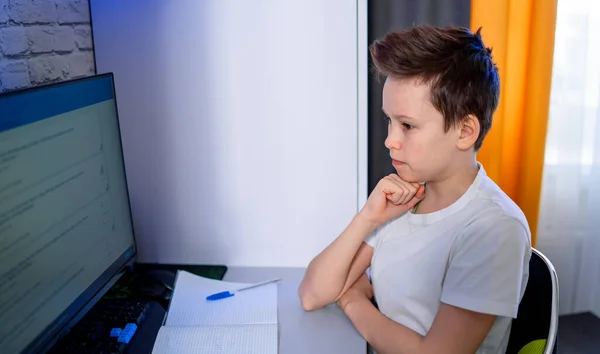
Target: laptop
{"type": "Point", "coordinates": [66, 231]}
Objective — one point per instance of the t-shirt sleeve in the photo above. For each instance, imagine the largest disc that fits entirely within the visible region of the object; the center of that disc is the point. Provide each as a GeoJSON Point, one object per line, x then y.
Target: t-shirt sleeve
{"type": "Point", "coordinates": [371, 239]}
{"type": "Point", "coordinates": [374, 236]}
{"type": "Point", "coordinates": [488, 268]}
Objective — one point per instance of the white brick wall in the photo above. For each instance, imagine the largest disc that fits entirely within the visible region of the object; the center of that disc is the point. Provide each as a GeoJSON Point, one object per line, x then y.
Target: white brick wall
{"type": "Point", "coordinates": [43, 41]}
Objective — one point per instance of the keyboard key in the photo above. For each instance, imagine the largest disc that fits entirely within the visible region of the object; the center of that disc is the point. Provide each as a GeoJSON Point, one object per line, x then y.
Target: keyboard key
{"type": "Point", "coordinates": [117, 348]}
{"type": "Point", "coordinates": [115, 332]}
{"type": "Point", "coordinates": [125, 337]}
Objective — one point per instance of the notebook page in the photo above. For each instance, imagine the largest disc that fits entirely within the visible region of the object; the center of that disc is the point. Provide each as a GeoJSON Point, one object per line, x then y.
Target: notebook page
{"type": "Point", "coordinates": [189, 306]}
{"type": "Point", "coordinates": [246, 339]}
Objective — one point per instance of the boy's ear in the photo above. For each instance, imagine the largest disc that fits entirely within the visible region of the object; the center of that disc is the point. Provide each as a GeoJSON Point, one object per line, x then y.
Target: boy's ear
{"type": "Point", "coordinates": [469, 132]}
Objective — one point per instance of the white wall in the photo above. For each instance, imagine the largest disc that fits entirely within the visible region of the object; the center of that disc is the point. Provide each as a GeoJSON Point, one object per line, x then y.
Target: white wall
{"type": "Point", "coordinates": [240, 124]}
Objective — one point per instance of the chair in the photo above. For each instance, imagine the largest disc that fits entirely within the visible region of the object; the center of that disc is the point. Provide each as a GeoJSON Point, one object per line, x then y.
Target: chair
{"type": "Point", "coordinates": [535, 329]}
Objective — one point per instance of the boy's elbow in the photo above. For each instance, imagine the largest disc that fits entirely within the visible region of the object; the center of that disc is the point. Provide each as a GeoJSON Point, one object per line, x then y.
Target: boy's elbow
{"type": "Point", "coordinates": [309, 304]}
{"type": "Point", "coordinates": [308, 301]}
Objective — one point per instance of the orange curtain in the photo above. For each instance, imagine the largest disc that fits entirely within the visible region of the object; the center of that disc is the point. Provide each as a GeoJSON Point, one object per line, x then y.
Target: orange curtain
{"type": "Point", "coordinates": [521, 34]}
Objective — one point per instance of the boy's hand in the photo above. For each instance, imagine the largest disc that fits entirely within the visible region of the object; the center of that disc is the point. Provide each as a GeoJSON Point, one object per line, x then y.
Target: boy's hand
{"type": "Point", "coordinates": [391, 198]}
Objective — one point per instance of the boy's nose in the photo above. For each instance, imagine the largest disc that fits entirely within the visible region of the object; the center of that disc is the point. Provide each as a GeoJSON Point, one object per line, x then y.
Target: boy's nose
{"type": "Point", "coordinates": [392, 144]}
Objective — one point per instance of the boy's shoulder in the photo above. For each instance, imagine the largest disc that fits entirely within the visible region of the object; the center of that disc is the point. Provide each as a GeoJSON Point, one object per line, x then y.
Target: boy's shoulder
{"type": "Point", "coordinates": [492, 209]}
{"type": "Point", "coordinates": [492, 199]}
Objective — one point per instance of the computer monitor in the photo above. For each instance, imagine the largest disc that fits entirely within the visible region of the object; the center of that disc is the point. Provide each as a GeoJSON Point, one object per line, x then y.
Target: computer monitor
{"type": "Point", "coordinates": [65, 224]}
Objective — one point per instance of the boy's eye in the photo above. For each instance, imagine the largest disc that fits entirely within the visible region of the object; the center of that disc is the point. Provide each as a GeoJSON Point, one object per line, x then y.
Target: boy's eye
{"type": "Point", "coordinates": [407, 126]}
{"type": "Point", "coordinates": [387, 120]}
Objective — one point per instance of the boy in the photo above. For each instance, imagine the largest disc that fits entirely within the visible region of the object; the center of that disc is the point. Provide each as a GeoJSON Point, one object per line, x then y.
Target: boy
{"type": "Point", "coordinates": [448, 250]}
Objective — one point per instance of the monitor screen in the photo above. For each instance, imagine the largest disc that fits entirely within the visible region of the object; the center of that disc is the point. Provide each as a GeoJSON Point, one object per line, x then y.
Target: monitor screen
{"type": "Point", "coordinates": [65, 222]}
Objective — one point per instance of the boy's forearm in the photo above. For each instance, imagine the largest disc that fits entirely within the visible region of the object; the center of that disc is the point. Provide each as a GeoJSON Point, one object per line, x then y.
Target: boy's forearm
{"type": "Point", "coordinates": [383, 334]}
{"type": "Point", "coordinates": [327, 273]}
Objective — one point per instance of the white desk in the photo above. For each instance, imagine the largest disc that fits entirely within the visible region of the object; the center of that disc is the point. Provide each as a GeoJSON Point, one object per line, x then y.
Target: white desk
{"type": "Point", "coordinates": [323, 331]}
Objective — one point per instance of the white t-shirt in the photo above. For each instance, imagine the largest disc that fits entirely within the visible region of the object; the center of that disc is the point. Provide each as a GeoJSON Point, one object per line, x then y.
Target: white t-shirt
{"type": "Point", "coordinates": [473, 254]}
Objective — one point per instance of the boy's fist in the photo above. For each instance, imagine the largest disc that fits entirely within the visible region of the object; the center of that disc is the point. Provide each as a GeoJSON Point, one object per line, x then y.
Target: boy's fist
{"type": "Point", "coordinates": [391, 198]}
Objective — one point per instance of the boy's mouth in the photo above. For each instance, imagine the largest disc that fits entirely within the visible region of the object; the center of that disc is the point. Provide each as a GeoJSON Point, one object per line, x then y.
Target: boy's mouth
{"type": "Point", "coordinates": [397, 163]}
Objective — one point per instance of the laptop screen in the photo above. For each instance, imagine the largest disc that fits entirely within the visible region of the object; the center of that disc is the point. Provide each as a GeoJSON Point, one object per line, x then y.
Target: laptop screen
{"type": "Point", "coordinates": [65, 222]}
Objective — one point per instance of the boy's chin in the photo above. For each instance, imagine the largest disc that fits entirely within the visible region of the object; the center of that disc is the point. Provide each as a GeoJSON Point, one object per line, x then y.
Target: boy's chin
{"type": "Point", "coordinates": [408, 177]}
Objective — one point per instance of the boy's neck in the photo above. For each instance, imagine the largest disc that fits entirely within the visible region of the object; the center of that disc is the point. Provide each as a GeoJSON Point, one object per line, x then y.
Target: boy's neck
{"type": "Point", "coordinates": [442, 193]}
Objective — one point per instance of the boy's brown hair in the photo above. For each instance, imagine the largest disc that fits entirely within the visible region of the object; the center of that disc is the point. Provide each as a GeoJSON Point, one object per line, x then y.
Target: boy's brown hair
{"type": "Point", "coordinates": [455, 63]}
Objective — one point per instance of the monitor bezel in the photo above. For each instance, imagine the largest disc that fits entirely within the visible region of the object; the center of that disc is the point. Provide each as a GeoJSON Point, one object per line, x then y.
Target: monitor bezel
{"type": "Point", "coordinates": [84, 302]}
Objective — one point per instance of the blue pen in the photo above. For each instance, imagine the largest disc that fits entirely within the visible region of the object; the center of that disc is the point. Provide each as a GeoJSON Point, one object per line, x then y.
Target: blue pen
{"type": "Point", "coordinates": [230, 293]}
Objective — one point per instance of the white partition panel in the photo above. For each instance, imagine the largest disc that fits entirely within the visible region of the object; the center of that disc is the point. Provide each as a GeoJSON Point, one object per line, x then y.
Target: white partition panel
{"type": "Point", "coordinates": [239, 122]}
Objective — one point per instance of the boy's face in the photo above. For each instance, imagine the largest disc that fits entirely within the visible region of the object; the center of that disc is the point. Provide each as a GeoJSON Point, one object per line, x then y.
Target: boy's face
{"type": "Point", "coordinates": [421, 150]}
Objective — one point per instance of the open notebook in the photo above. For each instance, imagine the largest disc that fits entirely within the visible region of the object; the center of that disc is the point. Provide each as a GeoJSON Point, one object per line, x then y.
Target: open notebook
{"type": "Point", "coordinates": [244, 323]}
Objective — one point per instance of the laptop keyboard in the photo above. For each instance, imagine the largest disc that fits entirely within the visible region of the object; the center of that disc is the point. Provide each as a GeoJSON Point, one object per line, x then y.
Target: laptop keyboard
{"type": "Point", "coordinates": [108, 328]}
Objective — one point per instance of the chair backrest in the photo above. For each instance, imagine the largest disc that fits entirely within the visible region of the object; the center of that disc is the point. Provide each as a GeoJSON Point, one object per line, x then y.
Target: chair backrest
{"type": "Point", "coordinates": [537, 317]}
